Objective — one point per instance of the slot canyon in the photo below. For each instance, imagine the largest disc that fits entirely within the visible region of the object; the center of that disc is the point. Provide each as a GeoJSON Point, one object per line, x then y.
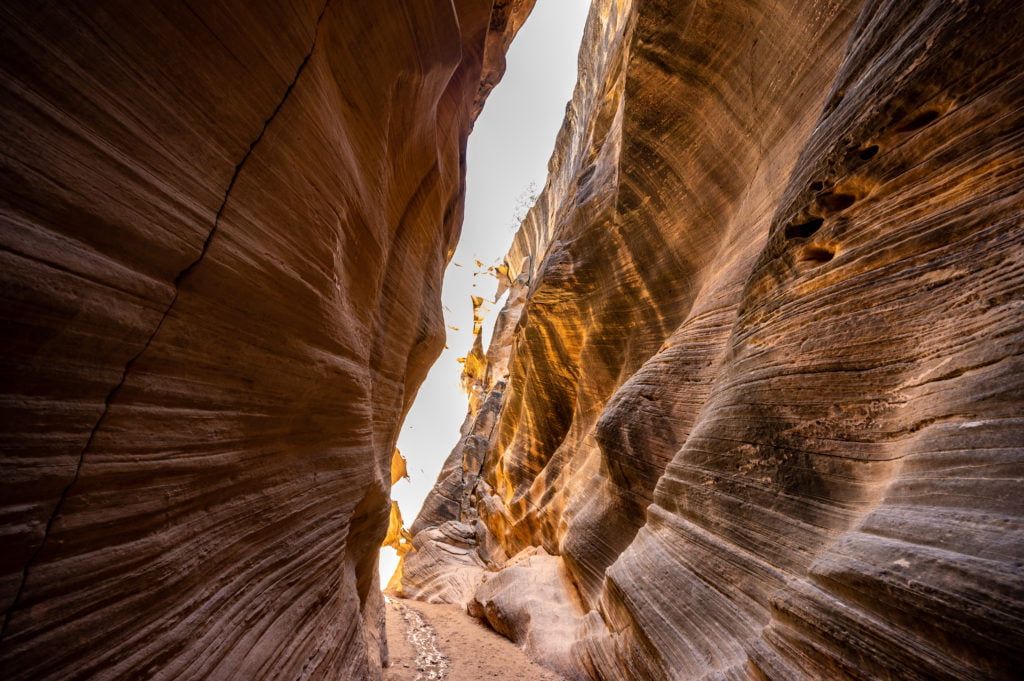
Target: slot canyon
{"type": "Point", "coordinates": [753, 409]}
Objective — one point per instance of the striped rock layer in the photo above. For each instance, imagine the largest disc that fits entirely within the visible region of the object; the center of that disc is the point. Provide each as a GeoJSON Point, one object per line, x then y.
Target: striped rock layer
{"type": "Point", "coordinates": [761, 411]}
{"type": "Point", "coordinates": [224, 226]}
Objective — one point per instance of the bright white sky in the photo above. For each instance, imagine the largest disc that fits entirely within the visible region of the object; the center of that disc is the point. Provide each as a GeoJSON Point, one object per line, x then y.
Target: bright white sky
{"type": "Point", "coordinates": [509, 149]}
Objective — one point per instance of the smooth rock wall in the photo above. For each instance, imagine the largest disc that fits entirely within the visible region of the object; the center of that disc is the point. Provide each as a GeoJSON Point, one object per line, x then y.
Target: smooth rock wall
{"type": "Point", "coordinates": [764, 398]}
{"type": "Point", "coordinates": [224, 230]}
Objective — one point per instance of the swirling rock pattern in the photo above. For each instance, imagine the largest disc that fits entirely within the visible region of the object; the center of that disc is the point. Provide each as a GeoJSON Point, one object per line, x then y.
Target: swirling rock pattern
{"type": "Point", "coordinates": [764, 401]}
{"type": "Point", "coordinates": [224, 229]}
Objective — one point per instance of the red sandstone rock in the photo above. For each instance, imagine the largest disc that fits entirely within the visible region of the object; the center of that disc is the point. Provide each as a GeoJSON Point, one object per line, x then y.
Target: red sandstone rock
{"type": "Point", "coordinates": [224, 228]}
{"type": "Point", "coordinates": [764, 397]}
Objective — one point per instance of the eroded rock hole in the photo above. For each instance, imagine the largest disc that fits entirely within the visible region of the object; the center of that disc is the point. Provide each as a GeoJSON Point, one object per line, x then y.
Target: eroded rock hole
{"type": "Point", "coordinates": [919, 121]}
{"type": "Point", "coordinates": [868, 152]}
{"type": "Point", "coordinates": [817, 254]}
{"type": "Point", "coordinates": [835, 202]}
{"type": "Point", "coordinates": [804, 229]}
{"type": "Point", "coordinates": [817, 186]}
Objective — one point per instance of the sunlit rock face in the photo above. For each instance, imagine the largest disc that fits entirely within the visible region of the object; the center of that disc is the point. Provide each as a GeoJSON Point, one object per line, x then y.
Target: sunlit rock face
{"type": "Point", "coordinates": [765, 395]}
{"type": "Point", "coordinates": [224, 228]}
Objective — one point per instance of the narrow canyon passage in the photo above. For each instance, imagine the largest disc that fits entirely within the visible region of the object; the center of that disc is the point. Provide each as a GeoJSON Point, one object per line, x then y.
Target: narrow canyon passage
{"type": "Point", "coordinates": [752, 409]}
{"type": "Point", "coordinates": [506, 161]}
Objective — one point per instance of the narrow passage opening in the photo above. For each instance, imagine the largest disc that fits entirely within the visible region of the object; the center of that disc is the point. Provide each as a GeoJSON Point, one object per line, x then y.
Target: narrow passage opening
{"type": "Point", "coordinates": [507, 166]}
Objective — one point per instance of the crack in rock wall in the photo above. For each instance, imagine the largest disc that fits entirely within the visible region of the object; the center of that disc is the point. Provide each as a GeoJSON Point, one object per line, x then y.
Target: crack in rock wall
{"type": "Point", "coordinates": [224, 230]}
{"type": "Point", "coordinates": [754, 410]}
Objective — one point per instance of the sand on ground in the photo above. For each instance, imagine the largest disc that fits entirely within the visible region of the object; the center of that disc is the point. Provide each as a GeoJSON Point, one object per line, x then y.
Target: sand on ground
{"type": "Point", "coordinates": [446, 643]}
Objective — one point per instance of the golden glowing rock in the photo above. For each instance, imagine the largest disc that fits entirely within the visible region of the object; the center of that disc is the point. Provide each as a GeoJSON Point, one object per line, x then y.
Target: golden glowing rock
{"type": "Point", "coordinates": [397, 536]}
{"type": "Point", "coordinates": [399, 469]}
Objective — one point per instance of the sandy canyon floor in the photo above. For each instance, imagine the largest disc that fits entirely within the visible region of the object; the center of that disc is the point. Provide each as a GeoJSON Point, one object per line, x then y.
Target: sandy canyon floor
{"type": "Point", "coordinates": [431, 642]}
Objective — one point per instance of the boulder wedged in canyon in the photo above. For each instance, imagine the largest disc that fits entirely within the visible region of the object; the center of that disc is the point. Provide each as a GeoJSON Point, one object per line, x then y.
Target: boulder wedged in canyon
{"type": "Point", "coordinates": [763, 401]}
{"type": "Point", "coordinates": [224, 230]}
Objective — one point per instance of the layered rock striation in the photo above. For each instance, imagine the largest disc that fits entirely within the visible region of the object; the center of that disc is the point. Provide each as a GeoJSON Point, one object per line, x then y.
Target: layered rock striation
{"type": "Point", "coordinates": [224, 229]}
{"type": "Point", "coordinates": [759, 412]}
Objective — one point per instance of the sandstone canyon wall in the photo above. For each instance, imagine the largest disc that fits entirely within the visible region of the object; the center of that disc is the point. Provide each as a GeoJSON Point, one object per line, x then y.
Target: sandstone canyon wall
{"type": "Point", "coordinates": [224, 229]}
{"type": "Point", "coordinates": [755, 409]}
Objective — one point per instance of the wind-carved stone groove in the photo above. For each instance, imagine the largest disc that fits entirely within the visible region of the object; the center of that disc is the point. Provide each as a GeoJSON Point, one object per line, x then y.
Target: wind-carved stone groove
{"type": "Point", "coordinates": [178, 281]}
{"type": "Point", "coordinates": [919, 121]}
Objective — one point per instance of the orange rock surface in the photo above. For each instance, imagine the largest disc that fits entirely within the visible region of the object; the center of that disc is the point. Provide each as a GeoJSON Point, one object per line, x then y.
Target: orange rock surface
{"type": "Point", "coordinates": [759, 415]}
{"type": "Point", "coordinates": [224, 229]}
